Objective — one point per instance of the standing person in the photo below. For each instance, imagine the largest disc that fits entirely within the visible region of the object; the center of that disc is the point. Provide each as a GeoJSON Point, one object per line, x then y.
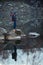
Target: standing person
{"type": "Point", "coordinates": [13, 15]}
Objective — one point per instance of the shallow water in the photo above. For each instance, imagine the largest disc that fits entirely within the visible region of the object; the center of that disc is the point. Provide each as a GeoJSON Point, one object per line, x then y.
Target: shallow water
{"type": "Point", "coordinates": [23, 58]}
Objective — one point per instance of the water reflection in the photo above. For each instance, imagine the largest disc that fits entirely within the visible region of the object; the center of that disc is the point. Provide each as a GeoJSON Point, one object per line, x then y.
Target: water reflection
{"type": "Point", "coordinates": [29, 57]}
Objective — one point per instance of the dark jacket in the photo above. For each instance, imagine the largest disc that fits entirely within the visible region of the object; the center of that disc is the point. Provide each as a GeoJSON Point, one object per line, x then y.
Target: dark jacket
{"type": "Point", "coordinates": [13, 18]}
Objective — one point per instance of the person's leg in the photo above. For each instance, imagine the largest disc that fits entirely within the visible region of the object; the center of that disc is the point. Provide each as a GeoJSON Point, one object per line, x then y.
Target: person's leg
{"type": "Point", "coordinates": [14, 27]}
{"type": "Point", "coordinates": [14, 24]}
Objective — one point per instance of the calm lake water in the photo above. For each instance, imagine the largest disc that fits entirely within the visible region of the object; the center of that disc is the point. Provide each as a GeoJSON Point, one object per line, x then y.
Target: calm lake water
{"type": "Point", "coordinates": [23, 57]}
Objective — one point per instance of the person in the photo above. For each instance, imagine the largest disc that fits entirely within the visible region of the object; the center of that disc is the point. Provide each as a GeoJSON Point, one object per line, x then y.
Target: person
{"type": "Point", "coordinates": [14, 20]}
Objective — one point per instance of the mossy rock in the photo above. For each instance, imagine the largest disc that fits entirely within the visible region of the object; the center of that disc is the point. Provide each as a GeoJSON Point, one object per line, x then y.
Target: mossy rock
{"type": "Point", "coordinates": [18, 32]}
